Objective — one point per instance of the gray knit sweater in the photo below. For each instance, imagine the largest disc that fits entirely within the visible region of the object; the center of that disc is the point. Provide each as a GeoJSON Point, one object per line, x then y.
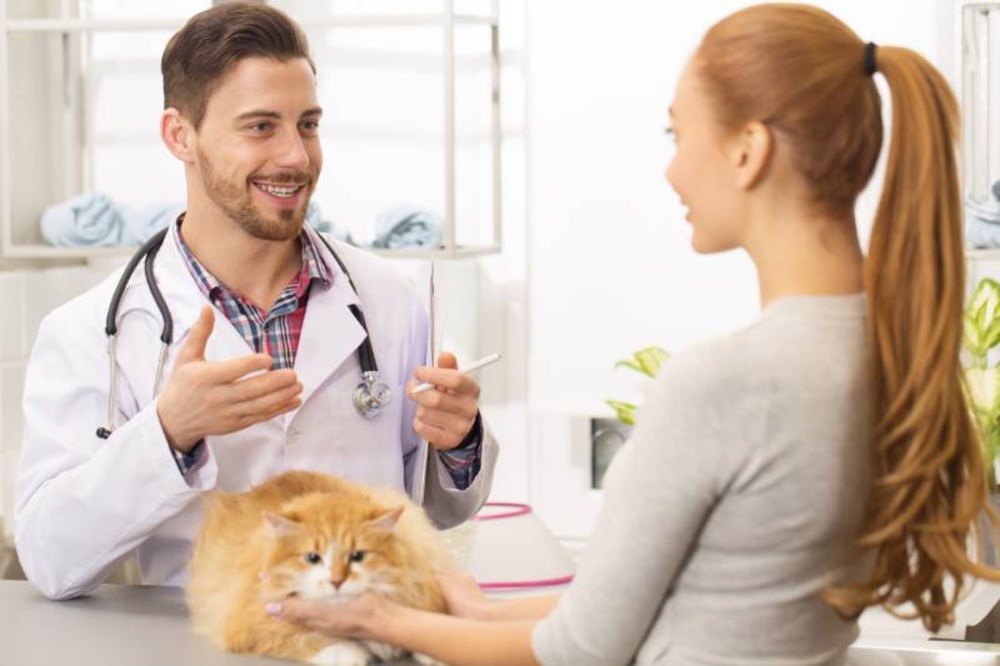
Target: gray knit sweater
{"type": "Point", "coordinates": [736, 500]}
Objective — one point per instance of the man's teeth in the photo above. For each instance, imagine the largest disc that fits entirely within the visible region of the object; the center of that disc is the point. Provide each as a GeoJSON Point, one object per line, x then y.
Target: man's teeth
{"type": "Point", "coordinates": [277, 191]}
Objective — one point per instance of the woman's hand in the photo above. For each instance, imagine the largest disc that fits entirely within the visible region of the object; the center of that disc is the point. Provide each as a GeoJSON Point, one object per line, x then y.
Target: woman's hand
{"type": "Point", "coordinates": [463, 596]}
{"type": "Point", "coordinates": [350, 619]}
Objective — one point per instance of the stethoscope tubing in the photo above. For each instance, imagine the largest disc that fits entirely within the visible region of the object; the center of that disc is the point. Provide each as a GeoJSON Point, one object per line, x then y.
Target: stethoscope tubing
{"type": "Point", "coordinates": [370, 396]}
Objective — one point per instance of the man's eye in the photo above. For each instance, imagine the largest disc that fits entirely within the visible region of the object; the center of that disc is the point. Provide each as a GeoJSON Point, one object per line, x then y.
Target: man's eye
{"type": "Point", "coordinates": [261, 127]}
{"type": "Point", "coordinates": [312, 558]}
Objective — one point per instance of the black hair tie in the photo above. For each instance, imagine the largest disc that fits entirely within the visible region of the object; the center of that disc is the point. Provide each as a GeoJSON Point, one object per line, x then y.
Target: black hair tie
{"type": "Point", "coordinates": [870, 67]}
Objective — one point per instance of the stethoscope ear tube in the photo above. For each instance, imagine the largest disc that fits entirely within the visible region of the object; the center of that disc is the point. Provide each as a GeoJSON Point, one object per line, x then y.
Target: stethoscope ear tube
{"type": "Point", "coordinates": [167, 333]}
{"type": "Point", "coordinates": [153, 244]}
{"type": "Point", "coordinates": [147, 251]}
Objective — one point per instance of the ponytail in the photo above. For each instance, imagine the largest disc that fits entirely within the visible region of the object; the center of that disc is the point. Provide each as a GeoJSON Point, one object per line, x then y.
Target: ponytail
{"type": "Point", "coordinates": [930, 480]}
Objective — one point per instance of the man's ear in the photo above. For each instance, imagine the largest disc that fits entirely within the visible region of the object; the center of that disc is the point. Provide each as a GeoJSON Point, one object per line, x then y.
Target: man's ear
{"type": "Point", "coordinates": [752, 152]}
{"type": "Point", "coordinates": [177, 135]}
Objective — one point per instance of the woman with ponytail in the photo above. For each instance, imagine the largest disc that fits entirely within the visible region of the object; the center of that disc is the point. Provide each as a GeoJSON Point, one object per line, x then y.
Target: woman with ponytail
{"type": "Point", "coordinates": [822, 460]}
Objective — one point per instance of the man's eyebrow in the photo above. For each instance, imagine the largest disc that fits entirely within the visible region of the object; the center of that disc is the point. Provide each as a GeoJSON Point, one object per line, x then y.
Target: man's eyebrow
{"type": "Point", "coordinates": [274, 115]}
{"type": "Point", "coordinates": [670, 110]}
{"type": "Point", "coordinates": [258, 113]}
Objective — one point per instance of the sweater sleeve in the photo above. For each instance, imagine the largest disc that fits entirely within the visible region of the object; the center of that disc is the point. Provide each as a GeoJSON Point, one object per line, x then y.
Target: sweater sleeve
{"type": "Point", "coordinates": [659, 493]}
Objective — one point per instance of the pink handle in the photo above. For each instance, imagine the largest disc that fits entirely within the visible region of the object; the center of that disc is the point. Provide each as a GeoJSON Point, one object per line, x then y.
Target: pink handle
{"type": "Point", "coordinates": [514, 509]}
{"type": "Point", "coordinates": [521, 584]}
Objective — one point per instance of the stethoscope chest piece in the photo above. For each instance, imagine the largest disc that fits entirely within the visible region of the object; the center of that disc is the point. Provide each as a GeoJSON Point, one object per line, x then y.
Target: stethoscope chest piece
{"type": "Point", "coordinates": [371, 395]}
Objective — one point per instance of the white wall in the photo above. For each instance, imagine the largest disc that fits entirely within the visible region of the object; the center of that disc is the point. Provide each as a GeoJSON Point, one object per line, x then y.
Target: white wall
{"type": "Point", "coordinates": [610, 264]}
{"type": "Point", "coordinates": [610, 267]}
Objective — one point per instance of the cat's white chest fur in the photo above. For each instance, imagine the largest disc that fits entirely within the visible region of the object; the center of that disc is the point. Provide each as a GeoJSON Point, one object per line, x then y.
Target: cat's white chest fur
{"type": "Point", "coordinates": [348, 653]}
{"type": "Point", "coordinates": [344, 653]}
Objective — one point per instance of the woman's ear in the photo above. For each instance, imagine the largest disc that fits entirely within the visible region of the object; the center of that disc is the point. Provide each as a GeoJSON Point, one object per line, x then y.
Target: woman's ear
{"type": "Point", "coordinates": [753, 150]}
{"type": "Point", "coordinates": [177, 135]}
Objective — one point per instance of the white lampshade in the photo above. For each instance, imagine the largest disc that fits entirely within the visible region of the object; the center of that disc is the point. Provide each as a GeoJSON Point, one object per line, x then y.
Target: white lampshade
{"type": "Point", "coordinates": [507, 548]}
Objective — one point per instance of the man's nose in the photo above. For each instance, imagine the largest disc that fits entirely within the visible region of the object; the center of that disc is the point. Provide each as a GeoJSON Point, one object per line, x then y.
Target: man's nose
{"type": "Point", "coordinates": [292, 152]}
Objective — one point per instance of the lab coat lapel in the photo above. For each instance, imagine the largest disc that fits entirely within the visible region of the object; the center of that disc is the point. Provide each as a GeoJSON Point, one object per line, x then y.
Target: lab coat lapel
{"type": "Point", "coordinates": [330, 334]}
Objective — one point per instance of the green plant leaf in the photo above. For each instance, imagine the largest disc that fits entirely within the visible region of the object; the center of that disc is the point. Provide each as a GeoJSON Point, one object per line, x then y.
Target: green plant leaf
{"type": "Point", "coordinates": [982, 324]}
{"type": "Point", "coordinates": [984, 392]}
{"type": "Point", "coordinates": [972, 340]}
{"type": "Point", "coordinates": [651, 358]}
{"type": "Point", "coordinates": [625, 411]}
{"type": "Point", "coordinates": [629, 363]}
{"type": "Point", "coordinates": [992, 437]}
{"type": "Point", "coordinates": [647, 360]}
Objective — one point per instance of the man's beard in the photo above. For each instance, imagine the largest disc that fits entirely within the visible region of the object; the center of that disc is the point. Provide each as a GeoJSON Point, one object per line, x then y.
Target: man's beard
{"type": "Point", "coordinates": [237, 204]}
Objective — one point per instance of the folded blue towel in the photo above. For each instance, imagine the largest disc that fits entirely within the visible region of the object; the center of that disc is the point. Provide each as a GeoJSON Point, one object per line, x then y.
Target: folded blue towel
{"type": "Point", "coordinates": [982, 221]}
{"type": "Point", "coordinates": [89, 219]}
{"type": "Point", "coordinates": [95, 220]}
{"type": "Point", "coordinates": [407, 227]}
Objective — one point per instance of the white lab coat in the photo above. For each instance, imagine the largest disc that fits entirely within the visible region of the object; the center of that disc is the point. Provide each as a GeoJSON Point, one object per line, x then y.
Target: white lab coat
{"type": "Point", "coordinates": [84, 504]}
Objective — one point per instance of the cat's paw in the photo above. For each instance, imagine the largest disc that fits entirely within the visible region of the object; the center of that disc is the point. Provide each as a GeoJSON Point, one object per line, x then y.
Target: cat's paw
{"type": "Point", "coordinates": [424, 660]}
{"type": "Point", "coordinates": [344, 653]}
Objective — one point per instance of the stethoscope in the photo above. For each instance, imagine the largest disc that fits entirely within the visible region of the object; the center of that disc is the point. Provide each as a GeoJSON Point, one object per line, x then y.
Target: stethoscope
{"type": "Point", "coordinates": [370, 395]}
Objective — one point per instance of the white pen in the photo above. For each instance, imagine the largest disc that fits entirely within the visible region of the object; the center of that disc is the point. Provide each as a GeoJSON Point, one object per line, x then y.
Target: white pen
{"type": "Point", "coordinates": [472, 367]}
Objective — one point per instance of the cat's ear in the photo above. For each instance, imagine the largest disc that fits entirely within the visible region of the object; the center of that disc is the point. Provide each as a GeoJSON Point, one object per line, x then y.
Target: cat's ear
{"type": "Point", "coordinates": [279, 525]}
{"type": "Point", "coordinates": [388, 520]}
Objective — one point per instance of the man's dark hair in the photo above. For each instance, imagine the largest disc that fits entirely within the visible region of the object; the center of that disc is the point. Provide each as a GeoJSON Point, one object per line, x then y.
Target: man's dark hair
{"type": "Point", "coordinates": [213, 41]}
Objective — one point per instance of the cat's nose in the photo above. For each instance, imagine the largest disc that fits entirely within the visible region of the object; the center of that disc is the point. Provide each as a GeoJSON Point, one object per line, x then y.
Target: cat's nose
{"type": "Point", "coordinates": [336, 583]}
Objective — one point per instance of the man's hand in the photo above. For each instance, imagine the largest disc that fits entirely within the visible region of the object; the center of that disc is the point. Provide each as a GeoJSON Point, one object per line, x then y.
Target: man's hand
{"type": "Point", "coordinates": [446, 413]}
{"type": "Point", "coordinates": [216, 398]}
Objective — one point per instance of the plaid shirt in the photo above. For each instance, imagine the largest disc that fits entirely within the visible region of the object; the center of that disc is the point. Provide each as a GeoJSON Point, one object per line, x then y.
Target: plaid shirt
{"type": "Point", "coordinates": [277, 333]}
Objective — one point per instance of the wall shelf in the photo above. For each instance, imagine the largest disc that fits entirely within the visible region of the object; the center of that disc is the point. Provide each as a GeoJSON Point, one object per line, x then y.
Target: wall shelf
{"type": "Point", "coordinates": [990, 254]}
{"type": "Point", "coordinates": [56, 73]}
{"type": "Point", "coordinates": [343, 21]}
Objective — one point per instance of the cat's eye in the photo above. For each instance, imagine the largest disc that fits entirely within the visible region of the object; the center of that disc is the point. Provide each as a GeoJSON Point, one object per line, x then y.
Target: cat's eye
{"type": "Point", "coordinates": [357, 556]}
{"type": "Point", "coordinates": [313, 558]}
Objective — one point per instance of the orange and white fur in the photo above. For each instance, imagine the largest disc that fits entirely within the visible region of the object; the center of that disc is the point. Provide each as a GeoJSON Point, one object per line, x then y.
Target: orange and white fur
{"type": "Point", "coordinates": [318, 537]}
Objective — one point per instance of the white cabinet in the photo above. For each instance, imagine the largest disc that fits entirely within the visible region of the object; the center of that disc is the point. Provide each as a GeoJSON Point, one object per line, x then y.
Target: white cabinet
{"type": "Point", "coordinates": [410, 91]}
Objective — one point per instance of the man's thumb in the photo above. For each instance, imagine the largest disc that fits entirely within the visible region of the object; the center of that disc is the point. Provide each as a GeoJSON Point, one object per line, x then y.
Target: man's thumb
{"type": "Point", "coordinates": [193, 348]}
{"type": "Point", "coordinates": [447, 360]}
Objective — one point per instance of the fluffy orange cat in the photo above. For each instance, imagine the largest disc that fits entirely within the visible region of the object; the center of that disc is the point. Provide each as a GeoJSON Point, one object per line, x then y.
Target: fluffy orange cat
{"type": "Point", "coordinates": [318, 537]}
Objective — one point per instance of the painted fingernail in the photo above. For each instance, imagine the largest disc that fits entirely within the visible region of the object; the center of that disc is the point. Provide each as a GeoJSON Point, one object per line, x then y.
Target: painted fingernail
{"type": "Point", "coordinates": [273, 608]}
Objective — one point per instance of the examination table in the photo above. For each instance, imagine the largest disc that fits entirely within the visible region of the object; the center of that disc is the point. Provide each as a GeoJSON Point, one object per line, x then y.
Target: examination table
{"type": "Point", "coordinates": [121, 625]}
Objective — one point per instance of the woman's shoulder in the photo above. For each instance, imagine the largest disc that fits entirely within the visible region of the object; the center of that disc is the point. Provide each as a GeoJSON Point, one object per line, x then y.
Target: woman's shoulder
{"type": "Point", "coordinates": [788, 343]}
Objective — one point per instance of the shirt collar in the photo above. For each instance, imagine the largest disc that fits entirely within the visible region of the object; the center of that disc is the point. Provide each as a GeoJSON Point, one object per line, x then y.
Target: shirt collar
{"type": "Point", "coordinates": [314, 263]}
